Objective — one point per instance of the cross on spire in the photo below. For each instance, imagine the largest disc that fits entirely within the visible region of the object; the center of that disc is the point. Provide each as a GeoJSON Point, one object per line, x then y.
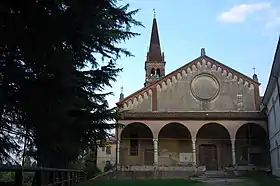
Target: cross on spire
{"type": "Point", "coordinates": [122, 89]}
{"type": "Point", "coordinates": [254, 69]}
{"type": "Point", "coordinates": [154, 10]}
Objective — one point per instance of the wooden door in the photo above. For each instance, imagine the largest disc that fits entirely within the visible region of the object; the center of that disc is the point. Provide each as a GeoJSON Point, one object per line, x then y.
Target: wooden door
{"type": "Point", "coordinates": [208, 156]}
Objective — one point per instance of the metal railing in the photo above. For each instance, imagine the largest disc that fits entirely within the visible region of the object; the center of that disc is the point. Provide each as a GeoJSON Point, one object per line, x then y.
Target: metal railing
{"type": "Point", "coordinates": [46, 176]}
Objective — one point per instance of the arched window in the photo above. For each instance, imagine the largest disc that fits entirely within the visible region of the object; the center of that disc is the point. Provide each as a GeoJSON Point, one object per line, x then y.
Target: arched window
{"type": "Point", "coordinates": [158, 72]}
{"type": "Point", "coordinates": [153, 72]}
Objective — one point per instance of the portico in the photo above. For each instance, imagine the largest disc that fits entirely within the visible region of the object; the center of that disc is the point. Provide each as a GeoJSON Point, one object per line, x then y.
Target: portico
{"type": "Point", "coordinates": [213, 144]}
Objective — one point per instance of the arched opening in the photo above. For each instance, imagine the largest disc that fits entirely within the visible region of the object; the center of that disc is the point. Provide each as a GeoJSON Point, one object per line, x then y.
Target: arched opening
{"type": "Point", "coordinates": [214, 146]}
{"type": "Point", "coordinates": [136, 145]}
{"type": "Point", "coordinates": [153, 72]}
{"type": "Point", "coordinates": [158, 72]}
{"type": "Point", "coordinates": [251, 145]}
{"type": "Point", "coordinates": [175, 146]}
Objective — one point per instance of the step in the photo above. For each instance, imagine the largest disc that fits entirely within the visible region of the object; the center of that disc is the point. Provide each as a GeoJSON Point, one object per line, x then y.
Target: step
{"type": "Point", "coordinates": [217, 174]}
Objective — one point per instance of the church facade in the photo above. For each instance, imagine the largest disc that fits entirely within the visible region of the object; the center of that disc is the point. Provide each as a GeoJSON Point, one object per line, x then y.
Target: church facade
{"type": "Point", "coordinates": [202, 114]}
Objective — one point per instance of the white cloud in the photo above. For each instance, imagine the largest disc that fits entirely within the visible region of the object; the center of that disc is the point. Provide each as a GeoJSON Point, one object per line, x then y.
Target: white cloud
{"type": "Point", "coordinates": [239, 13]}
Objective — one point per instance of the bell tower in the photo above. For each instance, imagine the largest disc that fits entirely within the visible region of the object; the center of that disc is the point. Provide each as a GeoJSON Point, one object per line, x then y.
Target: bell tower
{"type": "Point", "coordinates": [155, 64]}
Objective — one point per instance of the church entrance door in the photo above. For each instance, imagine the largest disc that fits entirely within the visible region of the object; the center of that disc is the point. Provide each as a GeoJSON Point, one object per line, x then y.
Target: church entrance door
{"type": "Point", "coordinates": [208, 156]}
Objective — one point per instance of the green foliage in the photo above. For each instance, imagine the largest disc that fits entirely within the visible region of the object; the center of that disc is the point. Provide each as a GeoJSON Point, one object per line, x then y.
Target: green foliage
{"type": "Point", "coordinates": [27, 162]}
{"type": "Point", "coordinates": [91, 170]}
{"type": "Point", "coordinates": [7, 176]}
{"type": "Point", "coordinates": [108, 166]}
{"type": "Point", "coordinates": [53, 78]}
{"type": "Point", "coordinates": [28, 178]}
{"type": "Point", "coordinates": [89, 164]}
{"type": "Point", "coordinates": [263, 178]}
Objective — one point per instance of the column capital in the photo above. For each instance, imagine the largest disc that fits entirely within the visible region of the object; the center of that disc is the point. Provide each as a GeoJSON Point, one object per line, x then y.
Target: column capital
{"type": "Point", "coordinates": [155, 140]}
{"type": "Point", "coordinates": [193, 140]}
{"type": "Point", "coordinates": [232, 140]}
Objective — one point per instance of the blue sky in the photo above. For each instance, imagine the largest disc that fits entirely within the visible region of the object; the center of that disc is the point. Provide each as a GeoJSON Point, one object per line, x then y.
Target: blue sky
{"type": "Point", "coordinates": [241, 34]}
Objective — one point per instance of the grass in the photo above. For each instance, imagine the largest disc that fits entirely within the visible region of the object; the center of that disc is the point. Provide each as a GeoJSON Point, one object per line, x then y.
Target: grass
{"type": "Point", "coordinates": [264, 180]}
{"type": "Point", "coordinates": [142, 183]}
{"type": "Point", "coordinates": [252, 179]}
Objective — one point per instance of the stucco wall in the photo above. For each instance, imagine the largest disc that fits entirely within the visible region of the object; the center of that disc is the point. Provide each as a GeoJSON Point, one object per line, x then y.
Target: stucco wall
{"type": "Point", "coordinates": [203, 85]}
{"type": "Point", "coordinates": [143, 145]}
{"type": "Point", "coordinates": [170, 149]}
{"type": "Point", "coordinates": [273, 110]}
{"type": "Point", "coordinates": [180, 97]}
{"type": "Point", "coordinates": [102, 157]}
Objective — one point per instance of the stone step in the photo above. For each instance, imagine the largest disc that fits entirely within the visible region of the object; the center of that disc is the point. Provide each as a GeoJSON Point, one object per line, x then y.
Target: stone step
{"type": "Point", "coordinates": [217, 174]}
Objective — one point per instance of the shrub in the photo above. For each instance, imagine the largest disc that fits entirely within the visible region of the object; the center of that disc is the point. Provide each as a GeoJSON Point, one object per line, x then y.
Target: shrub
{"type": "Point", "coordinates": [108, 166]}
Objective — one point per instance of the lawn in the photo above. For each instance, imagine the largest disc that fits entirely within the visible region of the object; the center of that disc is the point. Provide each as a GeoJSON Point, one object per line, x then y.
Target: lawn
{"type": "Point", "coordinates": [264, 180]}
{"type": "Point", "coordinates": [254, 179]}
{"type": "Point", "coordinates": [141, 183]}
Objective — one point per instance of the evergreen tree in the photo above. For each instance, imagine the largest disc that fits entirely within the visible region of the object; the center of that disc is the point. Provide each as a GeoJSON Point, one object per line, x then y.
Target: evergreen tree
{"type": "Point", "coordinates": [53, 83]}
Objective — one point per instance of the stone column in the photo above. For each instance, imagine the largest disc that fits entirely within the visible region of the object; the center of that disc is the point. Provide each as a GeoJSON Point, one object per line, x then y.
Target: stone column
{"type": "Point", "coordinates": [233, 151]}
{"type": "Point", "coordinates": [118, 152]}
{"type": "Point", "coordinates": [155, 151]}
{"type": "Point", "coordinates": [194, 151]}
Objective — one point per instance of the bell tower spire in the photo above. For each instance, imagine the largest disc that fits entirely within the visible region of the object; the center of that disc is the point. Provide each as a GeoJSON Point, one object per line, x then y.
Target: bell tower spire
{"type": "Point", "coordinates": [155, 64]}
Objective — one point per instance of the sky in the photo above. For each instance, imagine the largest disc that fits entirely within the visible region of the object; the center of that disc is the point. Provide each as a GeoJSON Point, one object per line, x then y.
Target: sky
{"type": "Point", "coordinates": [241, 34]}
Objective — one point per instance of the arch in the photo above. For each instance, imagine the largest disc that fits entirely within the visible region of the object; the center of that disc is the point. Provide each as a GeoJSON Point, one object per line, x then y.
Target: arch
{"type": "Point", "coordinates": [174, 130]}
{"type": "Point", "coordinates": [175, 145]}
{"type": "Point", "coordinates": [158, 72]}
{"type": "Point", "coordinates": [213, 131]}
{"type": "Point", "coordinates": [142, 129]}
{"type": "Point", "coordinates": [251, 145]}
{"type": "Point", "coordinates": [252, 130]}
{"type": "Point", "coordinates": [254, 124]}
{"type": "Point", "coordinates": [136, 146]}
{"type": "Point", "coordinates": [153, 72]}
{"type": "Point", "coordinates": [214, 146]}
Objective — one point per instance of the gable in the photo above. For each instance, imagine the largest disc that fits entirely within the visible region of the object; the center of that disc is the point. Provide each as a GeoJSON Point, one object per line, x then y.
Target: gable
{"type": "Point", "coordinates": [143, 97]}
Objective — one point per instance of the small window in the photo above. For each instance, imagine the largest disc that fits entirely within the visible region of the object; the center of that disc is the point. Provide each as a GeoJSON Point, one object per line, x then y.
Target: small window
{"type": "Point", "coordinates": [108, 150]}
{"type": "Point", "coordinates": [239, 98]}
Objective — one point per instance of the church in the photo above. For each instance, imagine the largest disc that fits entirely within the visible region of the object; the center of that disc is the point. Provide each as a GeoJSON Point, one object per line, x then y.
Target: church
{"type": "Point", "coordinates": [202, 114]}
